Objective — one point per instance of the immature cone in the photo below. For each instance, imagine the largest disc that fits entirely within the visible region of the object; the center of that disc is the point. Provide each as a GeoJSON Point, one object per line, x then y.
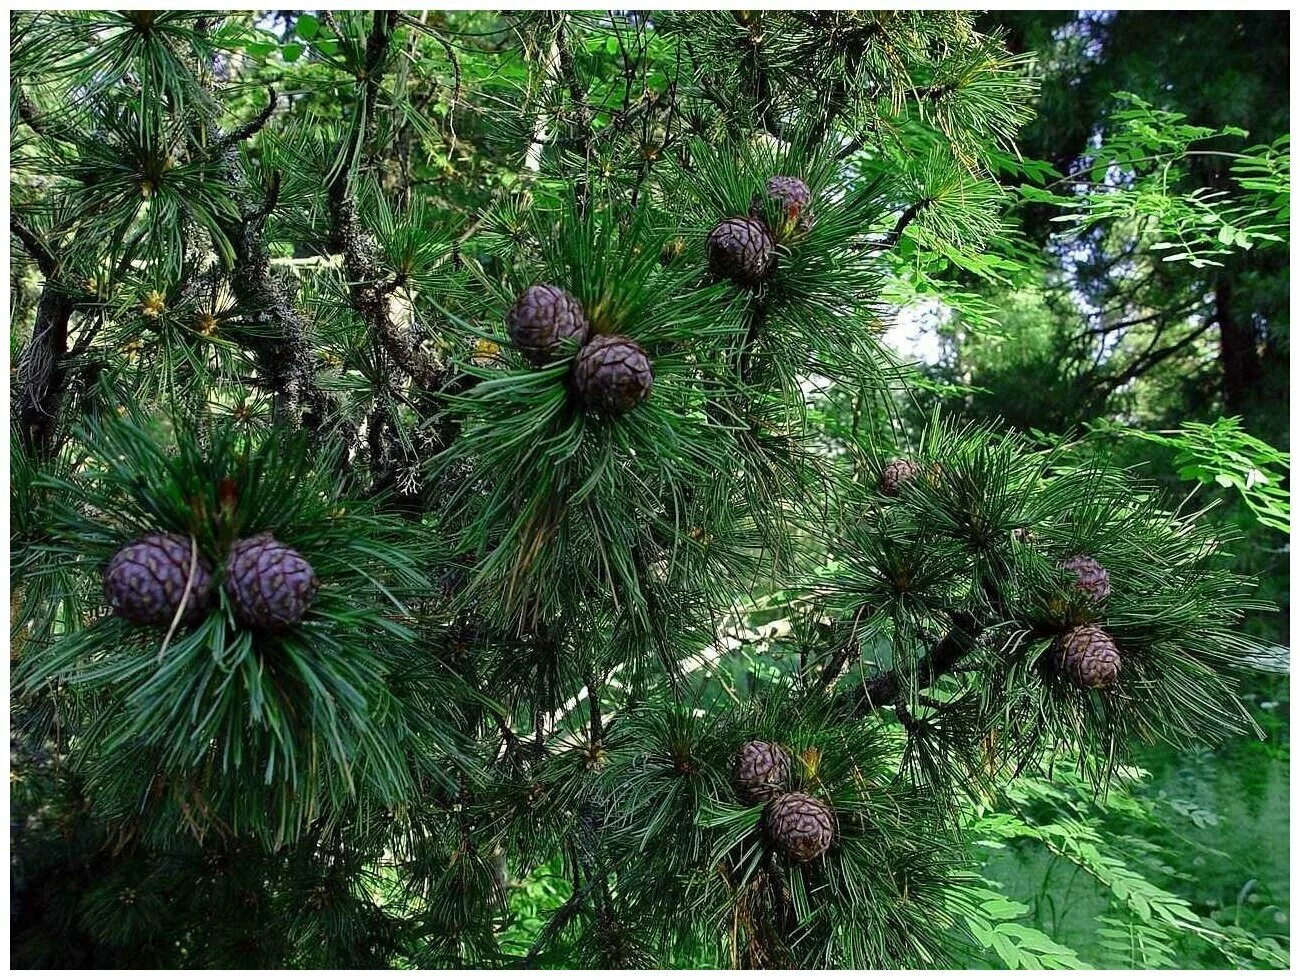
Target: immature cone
{"type": "Point", "coordinates": [612, 374]}
{"type": "Point", "coordinates": [269, 584]}
{"type": "Point", "coordinates": [542, 317]}
{"type": "Point", "coordinates": [801, 827]}
{"type": "Point", "coordinates": [794, 197]}
{"type": "Point", "coordinates": [761, 772]}
{"type": "Point", "coordinates": [145, 581]}
{"type": "Point", "coordinates": [1088, 657]}
{"type": "Point", "coordinates": [1090, 576]}
{"type": "Point", "coordinates": [897, 472]}
{"type": "Point", "coordinates": [742, 250]}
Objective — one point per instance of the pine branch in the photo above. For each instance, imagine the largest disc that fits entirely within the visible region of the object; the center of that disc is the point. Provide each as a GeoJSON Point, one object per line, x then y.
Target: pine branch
{"type": "Point", "coordinates": [271, 199]}
{"type": "Point", "coordinates": [889, 688]}
{"type": "Point", "coordinates": [424, 28]}
{"type": "Point", "coordinates": [250, 128]}
{"type": "Point", "coordinates": [360, 261]}
{"type": "Point", "coordinates": [41, 374]}
{"type": "Point", "coordinates": [286, 364]}
{"type": "Point", "coordinates": [755, 317]}
{"type": "Point", "coordinates": [34, 246]}
{"type": "Point", "coordinates": [905, 219]}
{"type": "Point", "coordinates": [41, 123]}
{"type": "Point", "coordinates": [588, 848]}
{"type": "Point", "coordinates": [855, 144]}
{"type": "Point", "coordinates": [835, 666]}
{"type": "Point", "coordinates": [569, 73]}
{"type": "Point", "coordinates": [855, 49]}
{"type": "Point", "coordinates": [556, 923]}
{"type": "Point", "coordinates": [596, 725]}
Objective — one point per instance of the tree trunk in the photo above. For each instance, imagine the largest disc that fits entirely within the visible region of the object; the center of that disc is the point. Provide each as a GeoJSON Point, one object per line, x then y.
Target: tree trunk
{"type": "Point", "coordinates": [38, 388]}
{"type": "Point", "coordinates": [1238, 353]}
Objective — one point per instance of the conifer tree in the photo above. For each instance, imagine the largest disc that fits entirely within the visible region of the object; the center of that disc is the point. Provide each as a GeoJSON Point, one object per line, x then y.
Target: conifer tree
{"type": "Point", "coordinates": [414, 418]}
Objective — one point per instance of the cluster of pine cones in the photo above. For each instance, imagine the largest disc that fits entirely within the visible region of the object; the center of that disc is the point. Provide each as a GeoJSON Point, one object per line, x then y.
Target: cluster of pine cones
{"type": "Point", "coordinates": [1086, 654]}
{"type": "Point", "coordinates": [268, 584]}
{"type": "Point", "coordinates": [742, 249]}
{"type": "Point", "coordinates": [611, 373]}
{"type": "Point", "coordinates": [799, 826]}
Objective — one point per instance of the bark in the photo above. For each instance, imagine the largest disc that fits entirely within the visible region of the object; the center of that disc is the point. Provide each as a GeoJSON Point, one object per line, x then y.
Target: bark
{"type": "Point", "coordinates": [285, 360]}
{"type": "Point", "coordinates": [889, 688]}
{"type": "Point", "coordinates": [38, 388]}
{"type": "Point", "coordinates": [1238, 351]}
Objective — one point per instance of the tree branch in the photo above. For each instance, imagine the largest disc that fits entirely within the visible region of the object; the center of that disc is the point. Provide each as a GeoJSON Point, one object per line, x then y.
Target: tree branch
{"type": "Point", "coordinates": [569, 72]}
{"type": "Point", "coordinates": [557, 922]}
{"type": "Point", "coordinates": [253, 126]}
{"type": "Point", "coordinates": [286, 367]}
{"type": "Point", "coordinates": [32, 244]}
{"type": "Point", "coordinates": [596, 724]}
{"type": "Point", "coordinates": [1150, 358]}
{"type": "Point", "coordinates": [888, 689]}
{"type": "Point", "coordinates": [39, 383]}
{"type": "Point", "coordinates": [40, 123]}
{"type": "Point", "coordinates": [905, 219]}
{"type": "Point", "coordinates": [1106, 328]}
{"type": "Point", "coordinates": [360, 263]}
{"type": "Point", "coordinates": [836, 664]}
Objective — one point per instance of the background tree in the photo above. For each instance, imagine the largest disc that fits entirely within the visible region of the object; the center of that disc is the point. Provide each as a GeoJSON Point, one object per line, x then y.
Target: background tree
{"type": "Point", "coordinates": [416, 415]}
{"type": "Point", "coordinates": [1238, 296]}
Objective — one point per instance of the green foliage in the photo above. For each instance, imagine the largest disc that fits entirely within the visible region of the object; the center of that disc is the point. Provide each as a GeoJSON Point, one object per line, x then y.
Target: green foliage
{"type": "Point", "coordinates": [1220, 452]}
{"type": "Point", "coordinates": [671, 769]}
{"type": "Point", "coordinates": [992, 923]}
{"type": "Point", "coordinates": [265, 264]}
{"type": "Point", "coordinates": [1139, 174]}
{"type": "Point", "coordinates": [1124, 844]}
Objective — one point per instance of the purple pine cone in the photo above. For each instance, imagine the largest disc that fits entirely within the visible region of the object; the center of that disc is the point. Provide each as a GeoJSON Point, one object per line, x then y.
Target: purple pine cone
{"type": "Point", "coordinates": [269, 584]}
{"type": "Point", "coordinates": [612, 374]}
{"type": "Point", "coordinates": [542, 318]}
{"type": "Point", "coordinates": [761, 771]}
{"type": "Point", "coordinates": [1090, 576]}
{"type": "Point", "coordinates": [801, 826]}
{"type": "Point", "coordinates": [742, 250]}
{"type": "Point", "coordinates": [897, 473]}
{"type": "Point", "coordinates": [791, 192]}
{"type": "Point", "coordinates": [145, 581]}
{"type": "Point", "coordinates": [794, 197]}
{"type": "Point", "coordinates": [1088, 656]}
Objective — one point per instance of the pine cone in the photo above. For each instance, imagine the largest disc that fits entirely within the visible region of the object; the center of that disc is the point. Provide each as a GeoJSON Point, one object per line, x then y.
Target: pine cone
{"type": "Point", "coordinates": [791, 192]}
{"type": "Point", "coordinates": [612, 374]}
{"type": "Point", "coordinates": [270, 585]}
{"type": "Point", "coordinates": [742, 250]}
{"type": "Point", "coordinates": [1088, 657]}
{"type": "Point", "coordinates": [762, 771]}
{"type": "Point", "coordinates": [794, 197]}
{"type": "Point", "coordinates": [542, 317]}
{"type": "Point", "coordinates": [145, 580]}
{"type": "Point", "coordinates": [896, 473]}
{"type": "Point", "coordinates": [801, 826]}
{"type": "Point", "coordinates": [1090, 576]}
